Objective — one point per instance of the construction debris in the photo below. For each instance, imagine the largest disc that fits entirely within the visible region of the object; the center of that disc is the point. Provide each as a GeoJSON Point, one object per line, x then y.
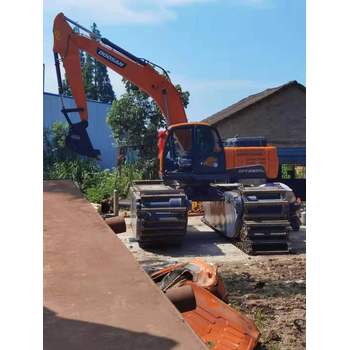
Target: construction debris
{"type": "Point", "coordinates": [117, 224]}
{"type": "Point", "coordinates": [198, 292]}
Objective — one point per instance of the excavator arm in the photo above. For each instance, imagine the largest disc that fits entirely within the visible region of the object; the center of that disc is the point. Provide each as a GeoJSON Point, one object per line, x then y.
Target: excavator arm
{"type": "Point", "coordinates": [67, 46]}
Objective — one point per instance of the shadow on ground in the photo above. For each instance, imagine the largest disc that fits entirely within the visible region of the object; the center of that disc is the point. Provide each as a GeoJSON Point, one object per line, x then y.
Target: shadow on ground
{"type": "Point", "coordinates": [62, 333]}
{"type": "Point", "coordinates": [196, 243]}
{"type": "Point", "coordinates": [297, 241]}
{"type": "Point", "coordinates": [242, 285]}
{"type": "Point", "coordinates": [199, 243]}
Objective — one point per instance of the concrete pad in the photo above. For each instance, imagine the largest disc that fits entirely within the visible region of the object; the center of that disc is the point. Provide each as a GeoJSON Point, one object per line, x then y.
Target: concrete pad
{"type": "Point", "coordinates": [200, 241]}
{"type": "Point", "coordinates": [96, 296]}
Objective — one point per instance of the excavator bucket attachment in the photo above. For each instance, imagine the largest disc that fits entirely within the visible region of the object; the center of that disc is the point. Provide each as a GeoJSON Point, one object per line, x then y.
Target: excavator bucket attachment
{"type": "Point", "coordinates": [79, 142]}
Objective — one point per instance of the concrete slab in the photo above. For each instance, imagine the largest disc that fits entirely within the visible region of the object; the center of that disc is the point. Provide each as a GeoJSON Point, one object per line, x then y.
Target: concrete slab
{"type": "Point", "coordinates": [200, 241]}
{"type": "Point", "coordinates": [96, 296]}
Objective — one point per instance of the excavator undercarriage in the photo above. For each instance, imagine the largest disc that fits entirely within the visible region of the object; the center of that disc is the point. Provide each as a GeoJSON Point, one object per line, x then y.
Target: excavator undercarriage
{"type": "Point", "coordinates": [158, 213]}
{"type": "Point", "coordinates": [255, 218]}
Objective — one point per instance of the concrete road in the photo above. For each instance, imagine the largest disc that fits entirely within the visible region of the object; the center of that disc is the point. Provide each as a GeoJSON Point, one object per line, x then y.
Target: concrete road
{"type": "Point", "coordinates": [200, 241]}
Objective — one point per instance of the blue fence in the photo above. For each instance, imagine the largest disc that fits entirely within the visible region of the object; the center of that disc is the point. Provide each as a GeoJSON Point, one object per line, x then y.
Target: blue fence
{"type": "Point", "coordinates": [99, 131]}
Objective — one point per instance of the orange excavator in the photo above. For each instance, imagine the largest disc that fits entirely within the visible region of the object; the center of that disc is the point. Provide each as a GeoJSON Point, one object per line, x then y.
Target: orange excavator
{"type": "Point", "coordinates": [194, 164]}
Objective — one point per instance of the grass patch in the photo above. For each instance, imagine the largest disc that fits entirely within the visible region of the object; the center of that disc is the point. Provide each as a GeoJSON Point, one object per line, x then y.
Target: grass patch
{"type": "Point", "coordinates": [260, 318]}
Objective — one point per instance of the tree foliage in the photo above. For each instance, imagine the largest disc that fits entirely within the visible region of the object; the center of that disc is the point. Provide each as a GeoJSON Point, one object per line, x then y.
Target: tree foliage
{"type": "Point", "coordinates": [96, 80]}
{"type": "Point", "coordinates": [96, 184]}
{"type": "Point", "coordinates": [59, 161]}
{"type": "Point", "coordinates": [135, 120]}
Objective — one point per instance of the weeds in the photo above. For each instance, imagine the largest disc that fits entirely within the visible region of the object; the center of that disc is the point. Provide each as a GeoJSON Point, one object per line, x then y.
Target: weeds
{"type": "Point", "coordinates": [260, 318]}
{"type": "Point", "coordinates": [96, 184]}
{"type": "Point", "coordinates": [274, 347]}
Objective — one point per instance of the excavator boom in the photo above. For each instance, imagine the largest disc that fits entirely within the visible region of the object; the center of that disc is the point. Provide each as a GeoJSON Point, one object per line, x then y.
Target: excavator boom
{"type": "Point", "coordinates": [67, 45]}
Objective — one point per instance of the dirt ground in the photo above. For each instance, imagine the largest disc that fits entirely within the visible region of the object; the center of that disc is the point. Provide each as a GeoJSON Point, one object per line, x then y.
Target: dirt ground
{"type": "Point", "coordinates": [271, 291]}
{"type": "Point", "coordinates": [268, 289]}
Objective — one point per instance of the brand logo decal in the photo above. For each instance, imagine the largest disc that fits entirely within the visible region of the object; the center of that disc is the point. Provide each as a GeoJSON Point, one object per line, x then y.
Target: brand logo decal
{"type": "Point", "coordinates": [111, 58]}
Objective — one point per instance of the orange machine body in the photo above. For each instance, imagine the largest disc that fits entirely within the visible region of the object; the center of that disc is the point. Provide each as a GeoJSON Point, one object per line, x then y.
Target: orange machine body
{"type": "Point", "coordinates": [234, 156]}
{"type": "Point", "coordinates": [68, 43]}
{"type": "Point", "coordinates": [241, 156]}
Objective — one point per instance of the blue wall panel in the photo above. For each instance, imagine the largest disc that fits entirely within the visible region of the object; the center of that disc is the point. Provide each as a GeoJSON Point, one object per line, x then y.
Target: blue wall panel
{"type": "Point", "coordinates": [292, 155]}
{"type": "Point", "coordinates": [100, 133]}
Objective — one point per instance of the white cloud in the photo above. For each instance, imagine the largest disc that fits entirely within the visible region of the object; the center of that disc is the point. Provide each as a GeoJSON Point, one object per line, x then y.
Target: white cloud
{"type": "Point", "coordinates": [117, 83]}
{"type": "Point", "coordinates": [130, 11]}
{"type": "Point", "coordinates": [184, 2]}
{"type": "Point", "coordinates": [121, 11]}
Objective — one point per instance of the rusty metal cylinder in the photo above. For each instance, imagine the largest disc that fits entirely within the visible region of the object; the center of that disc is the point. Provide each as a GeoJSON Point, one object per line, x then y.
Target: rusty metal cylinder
{"type": "Point", "coordinates": [182, 297]}
{"type": "Point", "coordinates": [117, 224]}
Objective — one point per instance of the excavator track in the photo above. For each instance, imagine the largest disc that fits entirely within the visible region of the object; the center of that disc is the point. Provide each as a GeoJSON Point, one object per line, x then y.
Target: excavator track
{"type": "Point", "coordinates": [158, 213]}
{"type": "Point", "coordinates": [265, 224]}
{"type": "Point", "coordinates": [256, 218]}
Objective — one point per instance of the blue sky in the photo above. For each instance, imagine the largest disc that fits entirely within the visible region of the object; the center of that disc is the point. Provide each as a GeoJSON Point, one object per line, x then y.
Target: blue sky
{"type": "Point", "coordinates": [218, 50]}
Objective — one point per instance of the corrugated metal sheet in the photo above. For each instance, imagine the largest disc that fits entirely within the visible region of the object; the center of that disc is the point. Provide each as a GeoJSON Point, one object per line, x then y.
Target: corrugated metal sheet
{"type": "Point", "coordinates": [99, 131]}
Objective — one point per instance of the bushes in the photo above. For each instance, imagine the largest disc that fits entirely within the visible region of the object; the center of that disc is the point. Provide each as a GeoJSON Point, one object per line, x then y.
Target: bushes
{"type": "Point", "coordinates": [60, 162]}
{"type": "Point", "coordinates": [125, 176]}
{"type": "Point", "coordinates": [96, 184]}
{"type": "Point", "coordinates": [100, 185]}
{"type": "Point", "coordinates": [77, 170]}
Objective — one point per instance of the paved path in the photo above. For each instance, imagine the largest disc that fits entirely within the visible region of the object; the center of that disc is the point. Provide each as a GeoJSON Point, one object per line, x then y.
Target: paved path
{"type": "Point", "coordinates": [200, 241]}
{"type": "Point", "coordinates": [96, 295]}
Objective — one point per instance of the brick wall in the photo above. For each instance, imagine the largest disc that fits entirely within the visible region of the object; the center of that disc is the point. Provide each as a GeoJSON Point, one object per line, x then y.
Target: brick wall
{"type": "Point", "coordinates": [281, 118]}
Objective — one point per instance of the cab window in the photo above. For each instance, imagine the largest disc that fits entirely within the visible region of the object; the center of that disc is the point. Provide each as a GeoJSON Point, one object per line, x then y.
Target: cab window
{"type": "Point", "coordinates": [207, 140]}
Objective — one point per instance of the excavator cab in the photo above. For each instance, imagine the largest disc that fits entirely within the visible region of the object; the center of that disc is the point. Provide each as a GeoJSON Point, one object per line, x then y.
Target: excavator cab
{"type": "Point", "coordinates": [193, 152]}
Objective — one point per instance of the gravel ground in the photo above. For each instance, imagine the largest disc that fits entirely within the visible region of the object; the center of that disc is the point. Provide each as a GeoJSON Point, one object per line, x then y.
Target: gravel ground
{"type": "Point", "coordinates": [268, 289]}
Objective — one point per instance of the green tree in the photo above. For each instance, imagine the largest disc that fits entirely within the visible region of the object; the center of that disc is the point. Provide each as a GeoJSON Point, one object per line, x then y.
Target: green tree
{"type": "Point", "coordinates": [102, 83]}
{"type": "Point", "coordinates": [135, 120]}
{"type": "Point", "coordinates": [89, 78]}
{"type": "Point", "coordinates": [96, 184]}
{"type": "Point", "coordinates": [97, 84]}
